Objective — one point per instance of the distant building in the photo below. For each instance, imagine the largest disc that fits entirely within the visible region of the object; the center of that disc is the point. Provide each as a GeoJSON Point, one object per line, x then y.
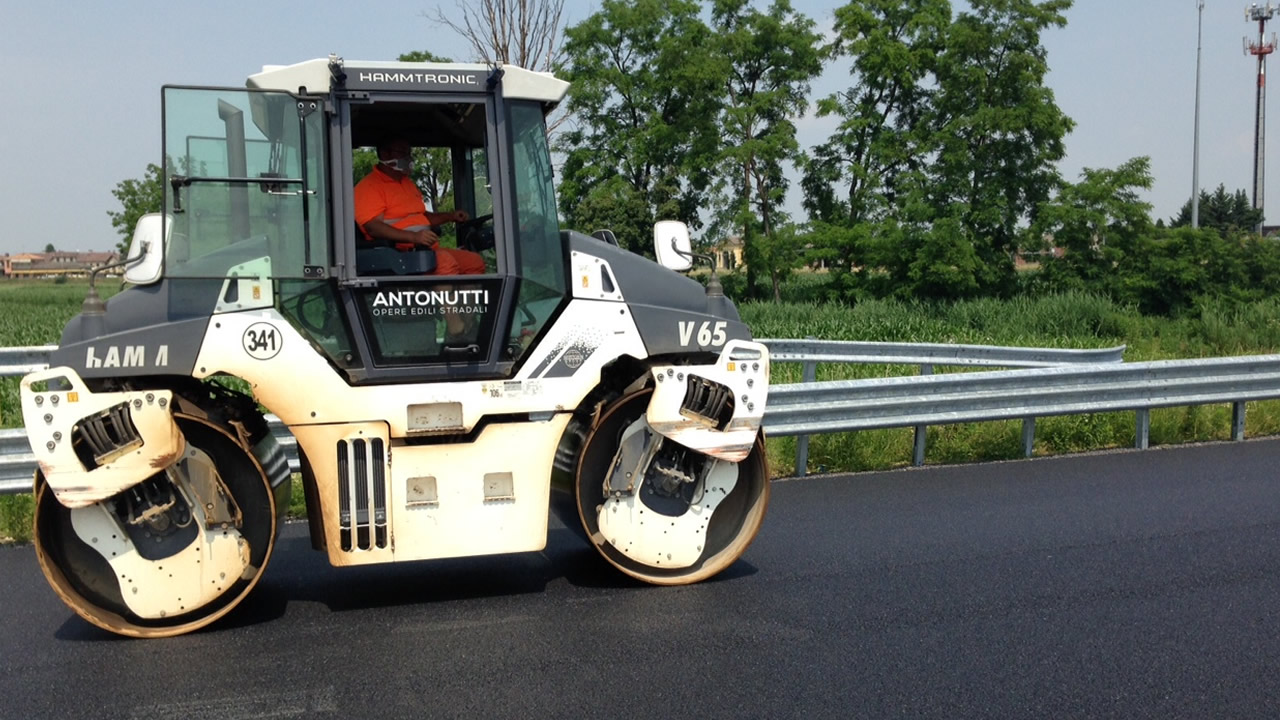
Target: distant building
{"type": "Point", "coordinates": [1031, 259]}
{"type": "Point", "coordinates": [728, 253]}
{"type": "Point", "coordinates": [55, 264]}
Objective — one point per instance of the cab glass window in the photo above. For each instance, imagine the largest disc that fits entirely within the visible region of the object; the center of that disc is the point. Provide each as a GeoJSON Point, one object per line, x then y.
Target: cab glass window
{"type": "Point", "coordinates": [315, 309]}
{"type": "Point", "coordinates": [447, 143]}
{"type": "Point", "coordinates": [243, 182]}
{"type": "Point", "coordinates": [539, 248]}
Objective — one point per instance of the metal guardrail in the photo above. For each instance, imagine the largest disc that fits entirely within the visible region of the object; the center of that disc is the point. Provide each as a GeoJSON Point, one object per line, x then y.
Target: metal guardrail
{"type": "Point", "coordinates": [23, 360]}
{"type": "Point", "coordinates": [17, 464]}
{"type": "Point", "coordinates": [812, 351]}
{"type": "Point", "coordinates": [927, 399]}
{"type": "Point", "coordinates": [850, 405]}
{"type": "Point", "coordinates": [839, 351]}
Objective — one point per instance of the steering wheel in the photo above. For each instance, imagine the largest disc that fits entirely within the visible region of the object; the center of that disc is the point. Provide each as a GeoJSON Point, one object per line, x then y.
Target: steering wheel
{"type": "Point", "coordinates": [473, 236]}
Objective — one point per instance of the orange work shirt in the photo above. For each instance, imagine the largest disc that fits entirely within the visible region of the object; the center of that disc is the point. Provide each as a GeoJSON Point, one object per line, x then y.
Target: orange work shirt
{"type": "Point", "coordinates": [399, 202]}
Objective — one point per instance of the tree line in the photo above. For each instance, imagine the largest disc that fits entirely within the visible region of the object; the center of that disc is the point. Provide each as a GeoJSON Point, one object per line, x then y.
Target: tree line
{"type": "Point", "coordinates": [939, 175]}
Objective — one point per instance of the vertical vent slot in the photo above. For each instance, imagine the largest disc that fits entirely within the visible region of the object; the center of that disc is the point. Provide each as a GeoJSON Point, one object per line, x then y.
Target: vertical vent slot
{"type": "Point", "coordinates": [360, 477]}
{"type": "Point", "coordinates": [362, 494]}
{"type": "Point", "coordinates": [344, 494]}
{"type": "Point", "coordinates": [379, 494]}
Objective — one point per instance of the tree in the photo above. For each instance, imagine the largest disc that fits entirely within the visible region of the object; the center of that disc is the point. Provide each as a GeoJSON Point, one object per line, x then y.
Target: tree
{"type": "Point", "coordinates": [996, 132]}
{"type": "Point", "coordinates": [524, 33]}
{"type": "Point", "coordinates": [946, 145]}
{"type": "Point", "coordinates": [942, 261]}
{"type": "Point", "coordinates": [137, 198]}
{"type": "Point", "coordinates": [1221, 211]}
{"type": "Point", "coordinates": [645, 95]}
{"type": "Point", "coordinates": [48, 247]}
{"type": "Point", "coordinates": [783, 252]}
{"type": "Point", "coordinates": [854, 177]}
{"type": "Point", "coordinates": [770, 58]}
{"type": "Point", "coordinates": [856, 183]}
{"type": "Point", "coordinates": [1097, 222]}
{"type": "Point", "coordinates": [613, 205]}
{"type": "Point", "coordinates": [1111, 246]}
{"type": "Point", "coordinates": [1181, 269]}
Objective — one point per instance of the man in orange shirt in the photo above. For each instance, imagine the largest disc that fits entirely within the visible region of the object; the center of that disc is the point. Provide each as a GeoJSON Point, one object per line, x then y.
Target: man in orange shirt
{"type": "Point", "coordinates": [389, 207]}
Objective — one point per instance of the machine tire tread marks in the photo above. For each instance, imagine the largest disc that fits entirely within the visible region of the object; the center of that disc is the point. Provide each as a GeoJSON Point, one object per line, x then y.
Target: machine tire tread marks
{"type": "Point", "coordinates": [732, 527]}
{"type": "Point", "coordinates": [85, 581]}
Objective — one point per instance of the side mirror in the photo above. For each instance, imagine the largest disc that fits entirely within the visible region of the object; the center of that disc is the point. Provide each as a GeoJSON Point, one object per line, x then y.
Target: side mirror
{"type": "Point", "coordinates": [145, 262]}
{"type": "Point", "coordinates": [671, 243]}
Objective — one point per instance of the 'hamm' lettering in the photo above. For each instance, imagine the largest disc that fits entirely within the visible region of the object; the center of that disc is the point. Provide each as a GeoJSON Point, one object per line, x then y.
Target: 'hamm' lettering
{"type": "Point", "coordinates": [129, 356]}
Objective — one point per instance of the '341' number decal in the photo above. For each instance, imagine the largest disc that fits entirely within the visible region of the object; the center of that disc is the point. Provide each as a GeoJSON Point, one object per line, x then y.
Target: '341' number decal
{"type": "Point", "coordinates": [709, 333]}
{"type": "Point", "coordinates": [262, 341]}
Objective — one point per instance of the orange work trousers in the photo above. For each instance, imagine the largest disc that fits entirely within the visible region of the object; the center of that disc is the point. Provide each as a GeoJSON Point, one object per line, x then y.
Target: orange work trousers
{"type": "Point", "coordinates": [452, 261]}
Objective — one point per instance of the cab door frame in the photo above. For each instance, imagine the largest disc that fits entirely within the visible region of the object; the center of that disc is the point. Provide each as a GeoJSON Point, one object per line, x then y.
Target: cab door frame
{"type": "Point", "coordinates": [491, 362]}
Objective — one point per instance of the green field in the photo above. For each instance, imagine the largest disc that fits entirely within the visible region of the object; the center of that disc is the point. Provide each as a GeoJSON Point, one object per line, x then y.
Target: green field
{"type": "Point", "coordinates": [33, 312]}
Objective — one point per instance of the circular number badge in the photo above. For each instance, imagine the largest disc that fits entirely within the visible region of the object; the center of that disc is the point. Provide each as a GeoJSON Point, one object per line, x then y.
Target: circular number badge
{"type": "Point", "coordinates": [262, 341]}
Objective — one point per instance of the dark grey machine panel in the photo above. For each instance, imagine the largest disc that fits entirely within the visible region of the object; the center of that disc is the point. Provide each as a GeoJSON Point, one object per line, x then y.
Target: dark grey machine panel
{"type": "Point", "coordinates": [673, 313]}
{"type": "Point", "coordinates": [147, 330]}
{"type": "Point", "coordinates": [166, 349]}
{"type": "Point", "coordinates": [666, 331]}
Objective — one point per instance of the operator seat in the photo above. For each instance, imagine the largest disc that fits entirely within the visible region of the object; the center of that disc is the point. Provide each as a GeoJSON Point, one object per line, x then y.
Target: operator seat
{"type": "Point", "coordinates": [377, 257]}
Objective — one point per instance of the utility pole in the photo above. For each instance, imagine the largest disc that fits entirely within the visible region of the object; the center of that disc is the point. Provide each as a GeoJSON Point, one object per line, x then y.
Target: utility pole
{"type": "Point", "coordinates": [1195, 161]}
{"type": "Point", "coordinates": [1261, 50]}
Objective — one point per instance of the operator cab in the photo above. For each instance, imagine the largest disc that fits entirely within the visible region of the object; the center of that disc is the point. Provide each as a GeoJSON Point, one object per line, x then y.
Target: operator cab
{"type": "Point", "coordinates": [259, 185]}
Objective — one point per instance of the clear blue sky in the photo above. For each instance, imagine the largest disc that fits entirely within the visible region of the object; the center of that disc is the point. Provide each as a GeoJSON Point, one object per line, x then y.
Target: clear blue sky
{"type": "Point", "coordinates": [81, 107]}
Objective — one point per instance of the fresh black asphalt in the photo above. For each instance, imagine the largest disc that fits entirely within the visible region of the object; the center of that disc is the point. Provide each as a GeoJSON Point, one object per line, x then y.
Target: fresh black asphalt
{"type": "Point", "coordinates": [1126, 584]}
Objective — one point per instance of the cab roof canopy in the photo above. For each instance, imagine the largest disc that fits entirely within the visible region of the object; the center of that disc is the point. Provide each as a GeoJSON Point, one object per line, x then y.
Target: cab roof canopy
{"type": "Point", "coordinates": [321, 76]}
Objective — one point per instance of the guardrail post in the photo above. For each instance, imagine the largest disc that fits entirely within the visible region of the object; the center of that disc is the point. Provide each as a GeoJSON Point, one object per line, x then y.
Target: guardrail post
{"type": "Point", "coordinates": [917, 453]}
{"type": "Point", "coordinates": [802, 442]}
{"type": "Point", "coordinates": [1237, 421]}
{"type": "Point", "coordinates": [1028, 436]}
{"type": "Point", "coordinates": [1142, 437]}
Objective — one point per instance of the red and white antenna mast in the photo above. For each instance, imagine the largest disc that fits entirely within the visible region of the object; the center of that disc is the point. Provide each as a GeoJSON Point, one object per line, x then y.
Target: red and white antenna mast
{"type": "Point", "coordinates": [1261, 49]}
